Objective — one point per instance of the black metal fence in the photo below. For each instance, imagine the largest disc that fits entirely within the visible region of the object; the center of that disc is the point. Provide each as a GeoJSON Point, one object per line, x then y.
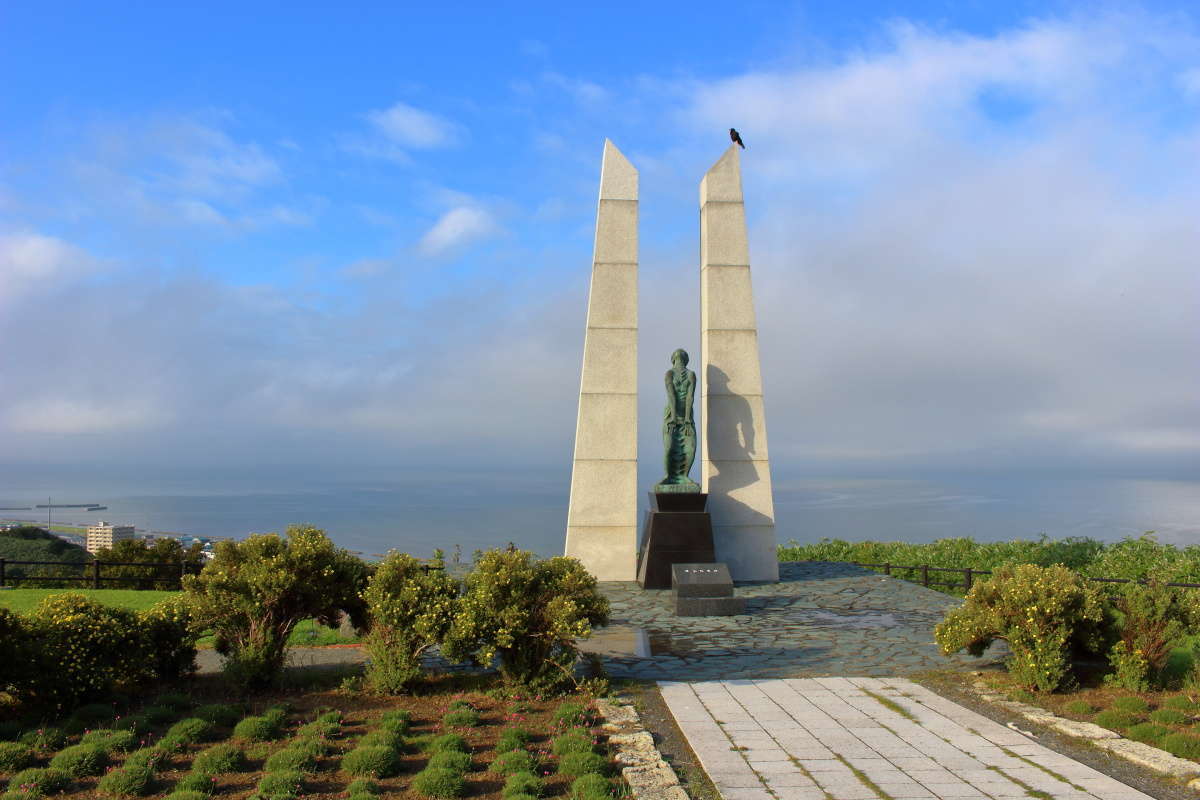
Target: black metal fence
{"type": "Point", "coordinates": [969, 573]}
{"type": "Point", "coordinates": [90, 571]}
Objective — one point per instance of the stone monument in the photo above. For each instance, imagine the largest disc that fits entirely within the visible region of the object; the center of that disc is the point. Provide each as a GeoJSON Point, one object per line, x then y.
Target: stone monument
{"type": "Point", "coordinates": [735, 475]}
{"type": "Point", "coordinates": [734, 470]}
{"type": "Point", "coordinates": [602, 515]}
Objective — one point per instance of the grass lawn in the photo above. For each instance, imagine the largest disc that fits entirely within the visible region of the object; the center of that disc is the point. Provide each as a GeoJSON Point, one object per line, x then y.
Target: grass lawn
{"type": "Point", "coordinates": [23, 601]}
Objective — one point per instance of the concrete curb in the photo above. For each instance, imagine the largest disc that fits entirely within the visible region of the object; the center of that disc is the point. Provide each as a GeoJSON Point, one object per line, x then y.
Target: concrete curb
{"type": "Point", "coordinates": [1139, 753]}
{"type": "Point", "coordinates": [648, 775]}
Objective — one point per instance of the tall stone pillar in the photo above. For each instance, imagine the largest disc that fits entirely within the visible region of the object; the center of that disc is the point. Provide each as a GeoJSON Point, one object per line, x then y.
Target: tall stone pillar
{"type": "Point", "coordinates": [734, 467]}
{"type": "Point", "coordinates": [602, 515]}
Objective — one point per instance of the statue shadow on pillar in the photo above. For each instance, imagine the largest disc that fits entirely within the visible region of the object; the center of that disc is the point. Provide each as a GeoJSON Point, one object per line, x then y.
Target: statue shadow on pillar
{"type": "Point", "coordinates": [737, 451]}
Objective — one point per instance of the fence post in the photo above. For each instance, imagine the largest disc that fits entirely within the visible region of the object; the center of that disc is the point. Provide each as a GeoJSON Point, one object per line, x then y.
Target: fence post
{"type": "Point", "coordinates": [887, 568]}
{"type": "Point", "coordinates": [182, 571]}
{"type": "Point", "coordinates": [925, 575]}
{"type": "Point", "coordinates": [95, 574]}
{"type": "Point", "coordinates": [967, 579]}
{"type": "Point", "coordinates": [1, 571]}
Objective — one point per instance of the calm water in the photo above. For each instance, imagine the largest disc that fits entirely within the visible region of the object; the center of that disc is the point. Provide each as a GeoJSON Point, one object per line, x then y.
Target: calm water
{"type": "Point", "coordinates": [419, 513]}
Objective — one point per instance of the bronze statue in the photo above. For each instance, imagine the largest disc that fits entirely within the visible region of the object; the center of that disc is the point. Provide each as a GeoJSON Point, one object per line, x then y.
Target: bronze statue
{"type": "Point", "coordinates": [679, 427]}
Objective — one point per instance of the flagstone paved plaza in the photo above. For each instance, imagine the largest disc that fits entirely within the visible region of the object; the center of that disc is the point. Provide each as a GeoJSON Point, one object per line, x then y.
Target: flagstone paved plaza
{"type": "Point", "coordinates": [864, 739]}
{"type": "Point", "coordinates": [819, 619]}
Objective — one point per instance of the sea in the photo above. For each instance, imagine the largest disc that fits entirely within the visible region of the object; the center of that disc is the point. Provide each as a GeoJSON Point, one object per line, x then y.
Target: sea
{"type": "Point", "coordinates": [418, 512]}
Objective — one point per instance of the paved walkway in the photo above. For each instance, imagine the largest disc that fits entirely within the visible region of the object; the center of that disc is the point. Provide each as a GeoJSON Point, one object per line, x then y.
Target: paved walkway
{"type": "Point", "coordinates": [821, 618]}
{"type": "Point", "coordinates": [867, 739]}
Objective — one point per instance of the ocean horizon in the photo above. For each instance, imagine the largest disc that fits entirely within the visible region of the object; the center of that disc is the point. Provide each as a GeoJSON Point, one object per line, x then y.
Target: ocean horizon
{"type": "Point", "coordinates": [418, 514]}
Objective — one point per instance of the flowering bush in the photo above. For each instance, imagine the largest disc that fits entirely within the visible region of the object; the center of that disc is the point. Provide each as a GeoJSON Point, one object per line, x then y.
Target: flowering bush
{"type": "Point", "coordinates": [170, 634]}
{"type": "Point", "coordinates": [1042, 612]}
{"type": "Point", "coordinates": [410, 609]}
{"type": "Point", "coordinates": [254, 592]}
{"type": "Point", "coordinates": [528, 613]}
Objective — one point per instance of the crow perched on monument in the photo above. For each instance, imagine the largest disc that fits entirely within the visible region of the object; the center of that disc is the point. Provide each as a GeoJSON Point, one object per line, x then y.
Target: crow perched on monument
{"type": "Point", "coordinates": [736, 137]}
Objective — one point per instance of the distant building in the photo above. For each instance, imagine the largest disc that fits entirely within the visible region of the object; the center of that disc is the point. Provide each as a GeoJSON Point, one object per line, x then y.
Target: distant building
{"type": "Point", "coordinates": [106, 535]}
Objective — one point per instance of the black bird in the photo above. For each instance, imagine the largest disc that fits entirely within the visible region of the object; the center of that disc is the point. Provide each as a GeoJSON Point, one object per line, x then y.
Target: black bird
{"type": "Point", "coordinates": [736, 137]}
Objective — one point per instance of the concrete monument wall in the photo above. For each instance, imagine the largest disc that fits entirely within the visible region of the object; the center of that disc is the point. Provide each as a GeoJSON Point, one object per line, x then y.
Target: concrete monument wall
{"type": "Point", "coordinates": [734, 468]}
{"type": "Point", "coordinates": [602, 515]}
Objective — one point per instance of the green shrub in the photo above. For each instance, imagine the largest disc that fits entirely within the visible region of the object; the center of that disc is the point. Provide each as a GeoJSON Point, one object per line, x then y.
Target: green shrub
{"type": "Point", "coordinates": [40, 780]}
{"type": "Point", "coordinates": [15, 756]}
{"type": "Point", "coordinates": [331, 715]}
{"type": "Point", "coordinates": [1081, 707]}
{"type": "Point", "coordinates": [1169, 716]}
{"type": "Point", "coordinates": [450, 759]}
{"type": "Point", "coordinates": [171, 744]}
{"type": "Point", "coordinates": [122, 740]}
{"type": "Point", "coordinates": [512, 739]}
{"type": "Point", "coordinates": [1134, 705]}
{"type": "Point", "coordinates": [157, 715]}
{"type": "Point", "coordinates": [259, 729]}
{"type": "Point", "coordinates": [571, 715]}
{"type": "Point", "coordinates": [279, 786]}
{"type": "Point", "coordinates": [197, 781]}
{"type": "Point", "coordinates": [527, 612]}
{"type": "Point", "coordinates": [1183, 745]}
{"type": "Point", "coordinates": [132, 781]}
{"type": "Point", "coordinates": [315, 746]}
{"type": "Point", "coordinates": [254, 592]}
{"type": "Point", "coordinates": [572, 765]}
{"type": "Point", "coordinates": [395, 721]}
{"type": "Point", "coordinates": [439, 783]}
{"type": "Point", "coordinates": [81, 760]}
{"type": "Point", "coordinates": [381, 738]}
{"type": "Point", "coordinates": [448, 741]}
{"type": "Point", "coordinates": [362, 786]}
{"type": "Point", "coordinates": [291, 759]}
{"type": "Point", "coordinates": [461, 718]}
{"type": "Point", "coordinates": [148, 756]}
{"type": "Point", "coordinates": [169, 633]}
{"type": "Point", "coordinates": [574, 741]}
{"type": "Point", "coordinates": [219, 714]}
{"type": "Point", "coordinates": [591, 787]}
{"type": "Point", "coordinates": [460, 702]}
{"type": "Point", "coordinates": [522, 783]}
{"type": "Point", "coordinates": [372, 761]}
{"type": "Point", "coordinates": [186, 794]}
{"type": "Point", "coordinates": [513, 761]}
{"type": "Point", "coordinates": [1147, 620]}
{"type": "Point", "coordinates": [1042, 612]}
{"type": "Point", "coordinates": [1115, 719]}
{"type": "Point", "coordinates": [192, 730]}
{"type": "Point", "coordinates": [45, 739]}
{"type": "Point", "coordinates": [410, 610]}
{"type": "Point", "coordinates": [134, 722]}
{"type": "Point", "coordinates": [1147, 732]}
{"type": "Point", "coordinates": [520, 797]}
{"type": "Point", "coordinates": [318, 729]}
{"type": "Point", "coordinates": [1179, 702]}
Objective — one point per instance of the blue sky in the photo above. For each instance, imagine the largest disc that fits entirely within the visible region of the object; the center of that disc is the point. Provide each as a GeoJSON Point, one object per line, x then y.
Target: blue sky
{"type": "Point", "coordinates": [287, 234]}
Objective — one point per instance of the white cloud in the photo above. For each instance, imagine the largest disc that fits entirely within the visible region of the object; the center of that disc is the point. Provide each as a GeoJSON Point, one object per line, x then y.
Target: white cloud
{"type": "Point", "coordinates": [456, 228]}
{"type": "Point", "coordinates": [126, 413]}
{"type": "Point", "coordinates": [409, 126]}
{"type": "Point", "coordinates": [30, 260]}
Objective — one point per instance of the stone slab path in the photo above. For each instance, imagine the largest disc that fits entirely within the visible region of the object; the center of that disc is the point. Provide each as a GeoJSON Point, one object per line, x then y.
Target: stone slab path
{"type": "Point", "coordinates": [821, 618]}
{"type": "Point", "coordinates": [867, 739]}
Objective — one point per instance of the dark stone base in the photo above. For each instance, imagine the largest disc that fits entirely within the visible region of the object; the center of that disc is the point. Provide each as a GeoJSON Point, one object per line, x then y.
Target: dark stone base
{"type": "Point", "coordinates": [701, 580]}
{"type": "Point", "coordinates": [709, 606]}
{"type": "Point", "coordinates": [676, 530]}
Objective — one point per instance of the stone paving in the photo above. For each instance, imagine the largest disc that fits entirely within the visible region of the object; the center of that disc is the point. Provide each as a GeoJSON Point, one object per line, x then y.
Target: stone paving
{"type": "Point", "coordinates": [867, 739]}
{"type": "Point", "coordinates": [820, 619]}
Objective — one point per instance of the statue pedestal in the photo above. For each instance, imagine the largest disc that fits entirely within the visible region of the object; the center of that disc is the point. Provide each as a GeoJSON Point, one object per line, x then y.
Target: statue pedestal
{"type": "Point", "coordinates": [677, 530]}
